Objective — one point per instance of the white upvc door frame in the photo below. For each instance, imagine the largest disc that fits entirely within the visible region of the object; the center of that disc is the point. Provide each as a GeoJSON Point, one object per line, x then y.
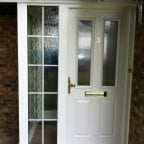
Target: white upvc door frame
{"type": "Point", "coordinates": [62, 70]}
{"type": "Point", "coordinates": [128, 88]}
{"type": "Point", "coordinates": [23, 73]}
{"type": "Point", "coordinates": [62, 76]}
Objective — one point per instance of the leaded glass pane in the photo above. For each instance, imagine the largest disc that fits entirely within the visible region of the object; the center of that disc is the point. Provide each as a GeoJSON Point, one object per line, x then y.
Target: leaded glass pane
{"type": "Point", "coordinates": [35, 132]}
{"type": "Point", "coordinates": [34, 50]}
{"type": "Point", "coordinates": [51, 21]}
{"type": "Point", "coordinates": [50, 106]}
{"type": "Point", "coordinates": [34, 20]}
{"type": "Point", "coordinates": [35, 79]}
{"type": "Point", "coordinates": [35, 106]}
{"type": "Point", "coordinates": [50, 133]}
{"type": "Point", "coordinates": [51, 51]}
{"type": "Point", "coordinates": [50, 79]}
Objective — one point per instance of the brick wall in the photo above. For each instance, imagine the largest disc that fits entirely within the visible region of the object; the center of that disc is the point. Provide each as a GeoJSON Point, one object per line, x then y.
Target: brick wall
{"type": "Point", "coordinates": [136, 135]}
{"type": "Point", "coordinates": [8, 71]}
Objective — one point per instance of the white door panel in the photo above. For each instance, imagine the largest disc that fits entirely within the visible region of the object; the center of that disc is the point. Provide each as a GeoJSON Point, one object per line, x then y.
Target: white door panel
{"type": "Point", "coordinates": [95, 119]}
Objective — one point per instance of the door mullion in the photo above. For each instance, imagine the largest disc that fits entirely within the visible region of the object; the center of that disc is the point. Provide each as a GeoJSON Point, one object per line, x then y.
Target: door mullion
{"type": "Point", "coordinates": [43, 75]}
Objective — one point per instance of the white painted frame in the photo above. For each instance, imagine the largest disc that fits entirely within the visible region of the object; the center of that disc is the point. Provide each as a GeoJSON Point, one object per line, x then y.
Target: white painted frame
{"type": "Point", "coordinates": [23, 73]}
{"type": "Point", "coordinates": [128, 88]}
{"type": "Point", "coordinates": [62, 74]}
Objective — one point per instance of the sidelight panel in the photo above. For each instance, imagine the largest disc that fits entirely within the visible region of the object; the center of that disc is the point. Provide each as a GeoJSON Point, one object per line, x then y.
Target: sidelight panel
{"type": "Point", "coordinates": [42, 38]}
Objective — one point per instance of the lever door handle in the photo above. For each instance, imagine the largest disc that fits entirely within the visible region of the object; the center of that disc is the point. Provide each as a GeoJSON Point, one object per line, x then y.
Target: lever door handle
{"type": "Point", "coordinates": [90, 93]}
{"type": "Point", "coordinates": [70, 85]}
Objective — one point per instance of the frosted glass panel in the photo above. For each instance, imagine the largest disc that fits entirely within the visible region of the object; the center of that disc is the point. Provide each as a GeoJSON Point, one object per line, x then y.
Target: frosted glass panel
{"type": "Point", "coordinates": [34, 20]}
{"type": "Point", "coordinates": [110, 51]}
{"type": "Point", "coordinates": [35, 79]}
{"type": "Point", "coordinates": [84, 51]}
{"type": "Point", "coordinates": [50, 106]}
{"type": "Point", "coordinates": [51, 51]}
{"type": "Point", "coordinates": [51, 21]}
{"type": "Point", "coordinates": [35, 106]}
{"type": "Point", "coordinates": [43, 44]}
{"type": "Point", "coordinates": [50, 79]}
{"type": "Point", "coordinates": [34, 50]}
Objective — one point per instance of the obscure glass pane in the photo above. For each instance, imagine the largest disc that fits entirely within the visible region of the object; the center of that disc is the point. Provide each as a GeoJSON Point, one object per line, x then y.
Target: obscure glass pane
{"type": "Point", "coordinates": [110, 51]}
{"type": "Point", "coordinates": [84, 51]}
{"type": "Point", "coordinates": [34, 20]}
{"type": "Point", "coordinates": [50, 133]}
{"type": "Point", "coordinates": [50, 106]}
{"type": "Point", "coordinates": [35, 132]}
{"type": "Point", "coordinates": [43, 44]}
{"type": "Point", "coordinates": [35, 79]}
{"type": "Point", "coordinates": [51, 51]}
{"type": "Point", "coordinates": [51, 21]}
{"type": "Point", "coordinates": [50, 79]}
{"type": "Point", "coordinates": [35, 106]}
{"type": "Point", "coordinates": [34, 50]}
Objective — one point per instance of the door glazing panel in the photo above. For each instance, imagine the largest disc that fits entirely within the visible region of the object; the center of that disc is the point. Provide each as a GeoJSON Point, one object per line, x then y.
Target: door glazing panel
{"type": "Point", "coordinates": [42, 73]}
{"type": "Point", "coordinates": [110, 52]}
{"type": "Point", "coordinates": [84, 52]}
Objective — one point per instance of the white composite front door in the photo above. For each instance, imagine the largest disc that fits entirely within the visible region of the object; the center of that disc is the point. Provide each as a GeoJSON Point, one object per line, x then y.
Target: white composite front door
{"type": "Point", "coordinates": [97, 69]}
{"type": "Point", "coordinates": [74, 85]}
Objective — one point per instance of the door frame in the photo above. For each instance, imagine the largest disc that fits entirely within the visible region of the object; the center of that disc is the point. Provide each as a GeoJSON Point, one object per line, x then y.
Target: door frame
{"type": "Point", "coordinates": [62, 71]}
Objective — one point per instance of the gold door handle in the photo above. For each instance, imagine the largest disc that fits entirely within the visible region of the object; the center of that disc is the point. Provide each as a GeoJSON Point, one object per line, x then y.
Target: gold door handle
{"type": "Point", "coordinates": [89, 93]}
{"type": "Point", "coordinates": [70, 85]}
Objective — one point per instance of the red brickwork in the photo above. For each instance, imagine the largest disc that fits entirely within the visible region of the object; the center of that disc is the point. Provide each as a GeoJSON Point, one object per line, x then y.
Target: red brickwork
{"type": "Point", "coordinates": [136, 135]}
{"type": "Point", "coordinates": [8, 75]}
